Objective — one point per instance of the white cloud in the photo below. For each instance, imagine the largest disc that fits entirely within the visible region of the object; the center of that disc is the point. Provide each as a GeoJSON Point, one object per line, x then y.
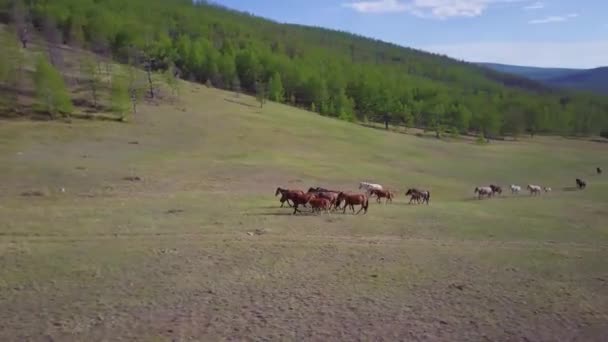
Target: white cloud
{"type": "Point", "coordinates": [589, 54]}
{"type": "Point", "coordinates": [534, 6]}
{"type": "Point", "coordinates": [439, 9]}
{"type": "Point", "coordinates": [377, 6]}
{"type": "Point", "coordinates": [554, 19]}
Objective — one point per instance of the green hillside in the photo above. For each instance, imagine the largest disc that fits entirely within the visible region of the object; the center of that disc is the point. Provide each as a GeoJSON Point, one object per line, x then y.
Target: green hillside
{"type": "Point", "coordinates": [167, 228]}
{"type": "Point", "coordinates": [334, 73]}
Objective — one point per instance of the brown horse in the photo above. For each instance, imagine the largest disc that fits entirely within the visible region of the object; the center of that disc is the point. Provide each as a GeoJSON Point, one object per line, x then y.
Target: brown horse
{"type": "Point", "coordinates": [319, 203]}
{"type": "Point", "coordinates": [382, 194]}
{"type": "Point", "coordinates": [330, 195]}
{"type": "Point", "coordinates": [300, 199]}
{"type": "Point", "coordinates": [286, 195]}
{"type": "Point", "coordinates": [420, 196]}
{"type": "Point", "coordinates": [352, 200]}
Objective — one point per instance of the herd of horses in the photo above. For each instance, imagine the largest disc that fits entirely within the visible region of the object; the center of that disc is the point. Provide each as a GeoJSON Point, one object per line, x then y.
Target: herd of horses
{"type": "Point", "coordinates": [325, 200]}
{"type": "Point", "coordinates": [535, 190]}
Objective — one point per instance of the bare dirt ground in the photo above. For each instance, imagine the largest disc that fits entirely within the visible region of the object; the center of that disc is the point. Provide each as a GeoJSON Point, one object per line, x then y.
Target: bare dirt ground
{"type": "Point", "coordinates": [178, 236]}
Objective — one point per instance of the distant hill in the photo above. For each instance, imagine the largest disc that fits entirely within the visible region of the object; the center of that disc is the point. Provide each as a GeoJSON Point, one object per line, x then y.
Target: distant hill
{"type": "Point", "coordinates": [595, 80]}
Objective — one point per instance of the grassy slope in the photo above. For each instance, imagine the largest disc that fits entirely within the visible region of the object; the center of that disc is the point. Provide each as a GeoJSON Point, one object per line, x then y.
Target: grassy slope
{"type": "Point", "coordinates": [106, 260]}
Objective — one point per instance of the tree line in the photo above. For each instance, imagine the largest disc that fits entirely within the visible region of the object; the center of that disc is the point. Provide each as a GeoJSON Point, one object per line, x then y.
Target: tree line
{"type": "Point", "coordinates": [333, 73]}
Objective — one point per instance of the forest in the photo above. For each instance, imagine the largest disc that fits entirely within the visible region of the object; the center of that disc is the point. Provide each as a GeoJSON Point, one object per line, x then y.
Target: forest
{"type": "Point", "coordinates": [329, 72]}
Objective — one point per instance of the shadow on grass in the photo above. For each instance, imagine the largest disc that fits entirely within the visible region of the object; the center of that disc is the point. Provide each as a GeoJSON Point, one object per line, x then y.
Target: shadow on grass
{"type": "Point", "coordinates": [570, 188]}
{"type": "Point", "coordinates": [241, 103]}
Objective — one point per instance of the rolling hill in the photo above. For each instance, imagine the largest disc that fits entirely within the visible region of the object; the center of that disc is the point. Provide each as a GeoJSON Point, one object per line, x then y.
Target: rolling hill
{"type": "Point", "coordinates": [595, 80]}
{"type": "Point", "coordinates": [333, 73]}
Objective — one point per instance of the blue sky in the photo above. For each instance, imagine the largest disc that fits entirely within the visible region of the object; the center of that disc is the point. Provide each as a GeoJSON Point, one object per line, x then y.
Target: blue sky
{"type": "Point", "coordinates": [551, 33]}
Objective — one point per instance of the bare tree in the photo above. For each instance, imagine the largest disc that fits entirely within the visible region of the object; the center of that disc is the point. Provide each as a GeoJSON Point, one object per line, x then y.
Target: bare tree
{"type": "Point", "coordinates": [21, 20]}
{"type": "Point", "coordinates": [54, 40]}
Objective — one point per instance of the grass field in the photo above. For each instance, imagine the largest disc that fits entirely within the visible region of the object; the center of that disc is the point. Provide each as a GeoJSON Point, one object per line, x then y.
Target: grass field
{"type": "Point", "coordinates": [172, 256]}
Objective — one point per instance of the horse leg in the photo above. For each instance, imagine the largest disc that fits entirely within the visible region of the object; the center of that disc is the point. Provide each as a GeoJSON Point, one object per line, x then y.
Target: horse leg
{"type": "Point", "coordinates": [359, 210]}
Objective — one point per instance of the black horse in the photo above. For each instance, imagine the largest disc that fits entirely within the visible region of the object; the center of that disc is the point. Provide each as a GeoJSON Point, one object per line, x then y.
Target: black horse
{"type": "Point", "coordinates": [581, 184]}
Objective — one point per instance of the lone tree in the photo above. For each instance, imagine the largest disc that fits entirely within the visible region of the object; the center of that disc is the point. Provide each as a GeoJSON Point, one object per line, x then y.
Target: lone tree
{"type": "Point", "coordinates": [171, 76]}
{"type": "Point", "coordinates": [53, 96]}
{"type": "Point", "coordinates": [275, 88]}
{"type": "Point", "coordinates": [236, 85]}
{"type": "Point", "coordinates": [119, 96]}
{"type": "Point", "coordinates": [93, 78]}
{"type": "Point", "coordinates": [260, 93]}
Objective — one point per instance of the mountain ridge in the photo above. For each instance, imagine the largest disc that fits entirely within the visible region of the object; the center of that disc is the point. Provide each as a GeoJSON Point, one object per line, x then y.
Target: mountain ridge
{"type": "Point", "coordinates": [593, 79]}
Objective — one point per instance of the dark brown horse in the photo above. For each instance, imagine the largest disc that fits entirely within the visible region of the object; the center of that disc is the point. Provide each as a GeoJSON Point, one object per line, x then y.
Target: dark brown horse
{"type": "Point", "coordinates": [496, 189]}
{"type": "Point", "coordinates": [300, 199]}
{"type": "Point", "coordinates": [352, 200]}
{"type": "Point", "coordinates": [420, 196]}
{"type": "Point", "coordinates": [382, 194]}
{"type": "Point", "coordinates": [286, 195]}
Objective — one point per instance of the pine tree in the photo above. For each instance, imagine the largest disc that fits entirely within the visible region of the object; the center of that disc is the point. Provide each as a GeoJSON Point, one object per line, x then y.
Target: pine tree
{"type": "Point", "coordinates": [275, 88]}
{"type": "Point", "coordinates": [53, 96]}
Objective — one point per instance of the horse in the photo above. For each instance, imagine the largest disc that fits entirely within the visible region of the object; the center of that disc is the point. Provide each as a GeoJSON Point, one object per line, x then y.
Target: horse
{"type": "Point", "coordinates": [418, 195]}
{"type": "Point", "coordinates": [331, 196]}
{"type": "Point", "coordinates": [515, 189]}
{"type": "Point", "coordinates": [319, 203]}
{"type": "Point", "coordinates": [382, 194]}
{"type": "Point", "coordinates": [370, 186]}
{"type": "Point", "coordinates": [484, 191]}
{"type": "Point", "coordinates": [581, 184]}
{"type": "Point", "coordinates": [547, 189]}
{"type": "Point", "coordinates": [286, 195]}
{"type": "Point", "coordinates": [496, 189]}
{"type": "Point", "coordinates": [352, 200]}
{"type": "Point", "coordinates": [301, 199]}
{"type": "Point", "coordinates": [598, 170]}
{"type": "Point", "coordinates": [534, 189]}
{"type": "Point", "coordinates": [319, 189]}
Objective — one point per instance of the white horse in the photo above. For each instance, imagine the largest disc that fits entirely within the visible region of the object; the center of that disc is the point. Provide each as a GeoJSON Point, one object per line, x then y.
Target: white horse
{"type": "Point", "coordinates": [515, 189]}
{"type": "Point", "coordinates": [370, 186]}
{"type": "Point", "coordinates": [535, 189]}
{"type": "Point", "coordinates": [484, 191]}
